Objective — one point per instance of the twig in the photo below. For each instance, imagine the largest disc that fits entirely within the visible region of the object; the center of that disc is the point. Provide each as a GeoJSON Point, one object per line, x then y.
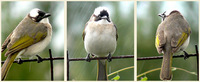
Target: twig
{"type": "Point", "coordinates": [160, 68]}
{"type": "Point", "coordinates": [175, 68]}
{"type": "Point", "coordinates": [148, 72]}
{"type": "Point", "coordinates": [120, 70]}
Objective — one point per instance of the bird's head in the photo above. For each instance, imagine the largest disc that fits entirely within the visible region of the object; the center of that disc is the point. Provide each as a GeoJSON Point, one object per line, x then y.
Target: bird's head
{"type": "Point", "coordinates": [101, 13]}
{"type": "Point", "coordinates": [37, 15]}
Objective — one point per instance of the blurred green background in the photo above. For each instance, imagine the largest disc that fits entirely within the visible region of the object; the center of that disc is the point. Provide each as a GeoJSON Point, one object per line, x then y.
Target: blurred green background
{"type": "Point", "coordinates": [12, 12]}
{"type": "Point", "coordinates": [147, 23]}
{"type": "Point", "coordinates": [122, 15]}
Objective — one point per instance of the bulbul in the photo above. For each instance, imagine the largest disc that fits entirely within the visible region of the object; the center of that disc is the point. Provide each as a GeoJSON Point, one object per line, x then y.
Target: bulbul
{"type": "Point", "coordinates": [30, 37]}
{"type": "Point", "coordinates": [173, 35]}
{"type": "Point", "coordinates": [100, 39]}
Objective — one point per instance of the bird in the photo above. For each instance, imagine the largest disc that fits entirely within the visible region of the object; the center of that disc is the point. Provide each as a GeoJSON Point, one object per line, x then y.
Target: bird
{"type": "Point", "coordinates": [30, 37]}
{"type": "Point", "coordinates": [172, 36]}
{"type": "Point", "coordinates": [100, 39]}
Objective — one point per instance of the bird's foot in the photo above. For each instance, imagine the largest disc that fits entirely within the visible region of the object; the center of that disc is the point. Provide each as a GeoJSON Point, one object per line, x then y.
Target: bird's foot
{"type": "Point", "coordinates": [39, 59]}
{"type": "Point", "coordinates": [186, 56]}
{"type": "Point", "coordinates": [109, 58]}
{"type": "Point", "coordinates": [88, 58]}
{"type": "Point", "coordinates": [19, 61]}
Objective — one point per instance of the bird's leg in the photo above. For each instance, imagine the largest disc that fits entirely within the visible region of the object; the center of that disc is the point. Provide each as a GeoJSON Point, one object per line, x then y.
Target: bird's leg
{"type": "Point", "coordinates": [39, 59]}
{"type": "Point", "coordinates": [88, 57]}
{"type": "Point", "coordinates": [186, 56]}
{"type": "Point", "coordinates": [19, 61]}
{"type": "Point", "coordinates": [109, 58]}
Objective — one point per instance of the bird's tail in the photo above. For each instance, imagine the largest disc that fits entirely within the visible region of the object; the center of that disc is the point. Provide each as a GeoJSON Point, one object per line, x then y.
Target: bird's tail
{"type": "Point", "coordinates": [102, 70]}
{"type": "Point", "coordinates": [7, 64]}
{"type": "Point", "coordinates": [166, 72]}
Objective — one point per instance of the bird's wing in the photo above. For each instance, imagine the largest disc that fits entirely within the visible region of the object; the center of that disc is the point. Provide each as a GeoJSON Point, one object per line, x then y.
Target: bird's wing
{"type": "Point", "coordinates": [116, 31]}
{"type": "Point", "coordinates": [182, 33]}
{"type": "Point", "coordinates": [160, 38]}
{"type": "Point", "coordinates": [5, 43]}
{"type": "Point", "coordinates": [32, 33]}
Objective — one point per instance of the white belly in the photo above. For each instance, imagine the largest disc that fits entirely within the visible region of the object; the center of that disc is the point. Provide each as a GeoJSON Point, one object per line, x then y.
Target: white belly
{"type": "Point", "coordinates": [100, 43]}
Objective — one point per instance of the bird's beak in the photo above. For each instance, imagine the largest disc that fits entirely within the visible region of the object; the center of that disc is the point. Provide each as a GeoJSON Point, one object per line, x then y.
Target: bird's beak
{"type": "Point", "coordinates": [160, 15]}
{"type": "Point", "coordinates": [46, 15]}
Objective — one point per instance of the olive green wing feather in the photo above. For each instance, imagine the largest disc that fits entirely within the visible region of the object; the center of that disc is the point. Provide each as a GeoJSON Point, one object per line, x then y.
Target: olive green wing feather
{"type": "Point", "coordinates": [5, 43]}
{"type": "Point", "coordinates": [180, 35]}
{"type": "Point", "coordinates": [31, 34]}
{"type": "Point", "coordinates": [160, 40]}
{"type": "Point", "coordinates": [178, 41]}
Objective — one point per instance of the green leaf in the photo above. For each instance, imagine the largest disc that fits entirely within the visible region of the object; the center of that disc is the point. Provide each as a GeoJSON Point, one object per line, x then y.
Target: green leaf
{"type": "Point", "coordinates": [144, 79]}
{"type": "Point", "coordinates": [116, 78]}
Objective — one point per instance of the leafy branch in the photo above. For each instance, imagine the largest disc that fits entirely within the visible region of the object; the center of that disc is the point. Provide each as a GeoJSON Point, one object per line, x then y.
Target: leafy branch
{"type": "Point", "coordinates": [120, 70]}
{"type": "Point", "coordinates": [116, 72]}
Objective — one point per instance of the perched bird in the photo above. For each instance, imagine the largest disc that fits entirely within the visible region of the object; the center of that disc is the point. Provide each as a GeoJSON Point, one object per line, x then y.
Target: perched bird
{"type": "Point", "coordinates": [100, 39]}
{"type": "Point", "coordinates": [30, 37]}
{"type": "Point", "coordinates": [173, 35]}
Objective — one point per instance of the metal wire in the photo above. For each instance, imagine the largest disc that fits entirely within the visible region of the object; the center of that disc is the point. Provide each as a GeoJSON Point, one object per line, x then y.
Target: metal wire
{"type": "Point", "coordinates": [67, 66]}
{"type": "Point", "coordinates": [101, 58]}
{"type": "Point", "coordinates": [197, 53]}
{"type": "Point", "coordinates": [35, 60]}
{"type": "Point", "coordinates": [160, 57]}
{"type": "Point", "coordinates": [51, 63]}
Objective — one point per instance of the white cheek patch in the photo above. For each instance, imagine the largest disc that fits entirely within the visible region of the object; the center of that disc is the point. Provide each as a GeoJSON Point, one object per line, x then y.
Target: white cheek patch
{"type": "Point", "coordinates": [45, 20]}
{"type": "Point", "coordinates": [34, 12]}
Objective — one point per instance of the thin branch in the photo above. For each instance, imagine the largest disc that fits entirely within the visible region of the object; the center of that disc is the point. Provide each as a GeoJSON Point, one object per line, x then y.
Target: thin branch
{"type": "Point", "coordinates": [101, 58]}
{"type": "Point", "coordinates": [33, 60]}
{"type": "Point", "coordinates": [173, 68]}
{"type": "Point", "coordinates": [120, 70]}
{"type": "Point", "coordinates": [148, 72]}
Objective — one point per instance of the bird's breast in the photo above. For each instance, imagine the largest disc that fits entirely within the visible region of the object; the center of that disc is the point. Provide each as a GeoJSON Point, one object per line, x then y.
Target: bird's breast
{"type": "Point", "coordinates": [100, 39]}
